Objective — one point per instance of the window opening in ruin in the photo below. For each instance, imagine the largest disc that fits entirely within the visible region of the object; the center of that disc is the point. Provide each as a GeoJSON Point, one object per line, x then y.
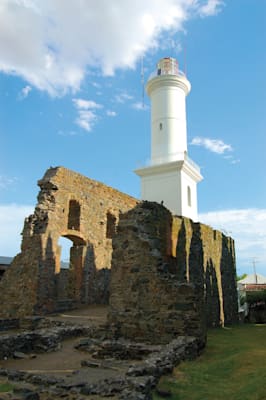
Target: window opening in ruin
{"type": "Point", "coordinates": [189, 196]}
{"type": "Point", "coordinates": [161, 126]}
{"type": "Point", "coordinates": [110, 226]}
{"type": "Point", "coordinates": [65, 245]}
{"type": "Point", "coordinates": [74, 215]}
{"type": "Point", "coordinates": [62, 269]}
{"type": "Point", "coordinates": [69, 270]}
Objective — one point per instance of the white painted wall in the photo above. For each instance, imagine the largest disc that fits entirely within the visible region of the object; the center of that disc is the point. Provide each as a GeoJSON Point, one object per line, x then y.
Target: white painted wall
{"type": "Point", "coordinates": [164, 186]}
{"type": "Point", "coordinates": [190, 211]}
{"type": "Point", "coordinates": [168, 116]}
{"type": "Point", "coordinates": [169, 183]}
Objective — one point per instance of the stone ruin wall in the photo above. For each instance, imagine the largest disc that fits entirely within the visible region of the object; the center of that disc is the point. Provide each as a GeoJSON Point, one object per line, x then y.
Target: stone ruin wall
{"type": "Point", "coordinates": [147, 300]}
{"type": "Point", "coordinates": [207, 257]}
{"type": "Point", "coordinates": [170, 276]}
{"type": "Point", "coordinates": [80, 209]}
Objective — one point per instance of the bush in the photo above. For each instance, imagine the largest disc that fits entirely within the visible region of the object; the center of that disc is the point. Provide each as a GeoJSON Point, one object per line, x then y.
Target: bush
{"type": "Point", "coordinates": [256, 297]}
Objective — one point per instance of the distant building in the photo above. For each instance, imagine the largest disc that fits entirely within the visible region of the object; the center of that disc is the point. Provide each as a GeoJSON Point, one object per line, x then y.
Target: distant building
{"type": "Point", "coordinates": [4, 264]}
{"type": "Point", "coordinates": [252, 282]}
{"type": "Point", "coordinates": [252, 303]}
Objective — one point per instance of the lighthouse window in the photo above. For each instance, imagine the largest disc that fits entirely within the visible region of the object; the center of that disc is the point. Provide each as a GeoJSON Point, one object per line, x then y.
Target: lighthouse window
{"type": "Point", "coordinates": [161, 126]}
{"type": "Point", "coordinates": [189, 196]}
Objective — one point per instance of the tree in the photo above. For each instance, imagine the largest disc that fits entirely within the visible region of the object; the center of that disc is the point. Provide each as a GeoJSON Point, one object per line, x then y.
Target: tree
{"type": "Point", "coordinates": [239, 277]}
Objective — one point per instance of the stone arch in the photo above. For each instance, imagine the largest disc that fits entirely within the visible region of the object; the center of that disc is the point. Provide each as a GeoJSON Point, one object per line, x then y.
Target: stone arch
{"type": "Point", "coordinates": [77, 240]}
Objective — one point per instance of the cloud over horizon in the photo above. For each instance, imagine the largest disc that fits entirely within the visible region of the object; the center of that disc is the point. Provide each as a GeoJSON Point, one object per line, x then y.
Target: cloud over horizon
{"type": "Point", "coordinates": [12, 219]}
{"type": "Point", "coordinates": [66, 40]}
{"type": "Point", "coordinates": [248, 228]}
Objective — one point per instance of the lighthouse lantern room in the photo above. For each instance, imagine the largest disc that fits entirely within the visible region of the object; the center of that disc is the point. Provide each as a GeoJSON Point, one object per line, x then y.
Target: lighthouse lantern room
{"type": "Point", "coordinates": [171, 177]}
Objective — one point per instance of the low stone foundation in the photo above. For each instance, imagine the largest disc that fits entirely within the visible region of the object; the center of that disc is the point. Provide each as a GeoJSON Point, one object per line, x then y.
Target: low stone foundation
{"type": "Point", "coordinates": [39, 341]}
{"type": "Point", "coordinates": [8, 323]}
{"type": "Point", "coordinates": [132, 382]}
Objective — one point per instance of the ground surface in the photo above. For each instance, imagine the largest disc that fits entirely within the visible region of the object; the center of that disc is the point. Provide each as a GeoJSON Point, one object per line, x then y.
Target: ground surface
{"type": "Point", "coordinates": [232, 367]}
{"type": "Point", "coordinates": [67, 359]}
{"type": "Point", "coordinates": [66, 362]}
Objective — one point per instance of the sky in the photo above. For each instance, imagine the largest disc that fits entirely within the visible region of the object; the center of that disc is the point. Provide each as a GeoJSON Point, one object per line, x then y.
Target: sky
{"type": "Point", "coordinates": [72, 94]}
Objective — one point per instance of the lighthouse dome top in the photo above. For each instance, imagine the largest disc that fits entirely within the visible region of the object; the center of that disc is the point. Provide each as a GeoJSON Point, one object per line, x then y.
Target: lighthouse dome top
{"type": "Point", "coordinates": [167, 66]}
{"type": "Point", "coordinates": [169, 75]}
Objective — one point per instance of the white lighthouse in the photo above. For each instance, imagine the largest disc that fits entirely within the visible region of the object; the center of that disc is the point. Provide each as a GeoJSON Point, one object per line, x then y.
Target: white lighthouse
{"type": "Point", "coordinates": [171, 177]}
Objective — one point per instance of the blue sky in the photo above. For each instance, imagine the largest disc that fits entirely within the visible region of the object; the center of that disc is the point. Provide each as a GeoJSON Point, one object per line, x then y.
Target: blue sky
{"type": "Point", "coordinates": [71, 95]}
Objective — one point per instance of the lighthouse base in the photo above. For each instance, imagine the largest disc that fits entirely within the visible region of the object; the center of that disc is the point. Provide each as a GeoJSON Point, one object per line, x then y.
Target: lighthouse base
{"type": "Point", "coordinates": [172, 184]}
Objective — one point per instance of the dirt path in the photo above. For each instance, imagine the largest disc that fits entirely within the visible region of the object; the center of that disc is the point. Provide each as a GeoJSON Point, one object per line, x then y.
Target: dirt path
{"type": "Point", "coordinates": [66, 362]}
{"type": "Point", "coordinates": [96, 315]}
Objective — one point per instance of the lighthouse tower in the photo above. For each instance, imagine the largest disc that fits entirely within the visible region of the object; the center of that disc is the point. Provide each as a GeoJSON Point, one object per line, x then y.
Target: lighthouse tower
{"type": "Point", "coordinates": [171, 177]}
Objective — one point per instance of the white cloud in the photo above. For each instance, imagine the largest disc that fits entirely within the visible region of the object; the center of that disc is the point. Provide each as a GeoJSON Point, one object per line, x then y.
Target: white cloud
{"type": "Point", "coordinates": [169, 43]}
{"type": "Point", "coordinates": [212, 7]}
{"type": "Point", "coordinates": [6, 181]}
{"type": "Point", "coordinates": [214, 145]}
{"type": "Point", "coordinates": [140, 106]}
{"type": "Point", "coordinates": [86, 114]}
{"type": "Point", "coordinates": [96, 85]}
{"type": "Point", "coordinates": [122, 97]}
{"type": "Point", "coordinates": [231, 159]}
{"type": "Point", "coordinates": [82, 104]}
{"type": "Point", "coordinates": [55, 42]}
{"type": "Point", "coordinates": [111, 113]}
{"type": "Point", "coordinates": [248, 228]}
{"type": "Point", "coordinates": [67, 133]}
{"type": "Point", "coordinates": [235, 161]}
{"type": "Point", "coordinates": [86, 120]}
{"type": "Point", "coordinates": [12, 220]}
{"type": "Point", "coordinates": [25, 92]}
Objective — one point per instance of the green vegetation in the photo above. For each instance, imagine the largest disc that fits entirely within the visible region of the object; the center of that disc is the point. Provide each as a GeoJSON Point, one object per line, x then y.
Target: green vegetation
{"type": "Point", "coordinates": [239, 277]}
{"type": "Point", "coordinates": [255, 296]}
{"type": "Point", "coordinates": [232, 367]}
{"type": "Point", "coordinates": [5, 387]}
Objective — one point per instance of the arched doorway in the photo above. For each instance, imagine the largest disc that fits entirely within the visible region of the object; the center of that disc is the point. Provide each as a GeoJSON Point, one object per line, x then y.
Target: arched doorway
{"type": "Point", "coordinates": [71, 271]}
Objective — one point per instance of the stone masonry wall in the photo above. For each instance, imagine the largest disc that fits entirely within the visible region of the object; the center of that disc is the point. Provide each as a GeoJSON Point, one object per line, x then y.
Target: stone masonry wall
{"type": "Point", "coordinates": [207, 257]}
{"type": "Point", "coordinates": [82, 210]}
{"type": "Point", "coordinates": [170, 276]}
{"type": "Point", "coordinates": [147, 301]}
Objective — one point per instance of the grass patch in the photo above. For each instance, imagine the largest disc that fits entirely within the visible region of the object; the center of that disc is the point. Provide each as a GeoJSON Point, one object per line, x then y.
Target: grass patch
{"type": "Point", "coordinates": [233, 367]}
{"type": "Point", "coordinates": [5, 387]}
